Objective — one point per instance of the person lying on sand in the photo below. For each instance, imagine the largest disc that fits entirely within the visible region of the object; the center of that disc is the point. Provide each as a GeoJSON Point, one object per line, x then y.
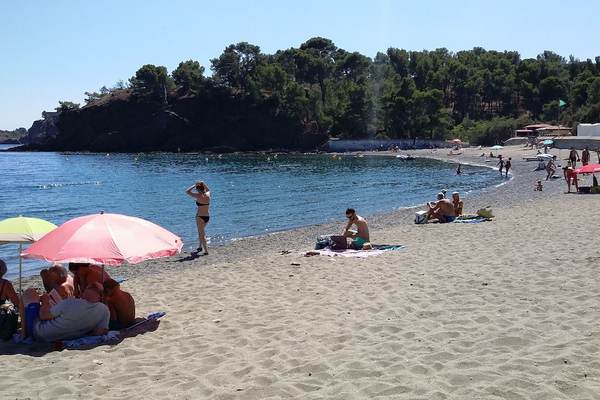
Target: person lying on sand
{"type": "Point", "coordinates": [442, 210]}
{"type": "Point", "coordinates": [70, 319]}
{"type": "Point", "coordinates": [57, 283]}
{"type": "Point", "coordinates": [85, 275]}
{"type": "Point", "coordinates": [121, 306]}
{"type": "Point", "coordinates": [361, 235]}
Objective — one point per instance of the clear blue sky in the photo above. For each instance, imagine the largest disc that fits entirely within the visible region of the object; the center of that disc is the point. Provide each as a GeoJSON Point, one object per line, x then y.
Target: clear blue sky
{"type": "Point", "coordinates": [56, 50]}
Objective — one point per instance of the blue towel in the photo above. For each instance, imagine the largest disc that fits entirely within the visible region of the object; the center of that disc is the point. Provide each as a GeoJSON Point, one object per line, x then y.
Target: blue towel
{"type": "Point", "coordinates": [112, 337]}
{"type": "Point", "coordinates": [472, 220]}
{"type": "Point", "coordinates": [91, 341]}
{"type": "Point", "coordinates": [388, 247]}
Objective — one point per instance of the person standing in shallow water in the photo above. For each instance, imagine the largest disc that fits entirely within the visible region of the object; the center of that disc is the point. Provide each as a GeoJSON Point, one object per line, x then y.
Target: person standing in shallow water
{"type": "Point", "coordinates": [202, 198]}
{"type": "Point", "coordinates": [507, 166]}
{"type": "Point", "coordinates": [500, 164]}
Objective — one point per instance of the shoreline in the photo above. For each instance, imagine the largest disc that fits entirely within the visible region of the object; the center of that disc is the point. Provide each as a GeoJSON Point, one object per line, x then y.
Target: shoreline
{"type": "Point", "coordinates": [501, 309]}
{"type": "Point", "coordinates": [236, 249]}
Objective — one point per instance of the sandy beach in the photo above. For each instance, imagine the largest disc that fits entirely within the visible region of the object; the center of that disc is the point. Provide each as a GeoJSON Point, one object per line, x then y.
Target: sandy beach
{"type": "Point", "coordinates": [507, 309]}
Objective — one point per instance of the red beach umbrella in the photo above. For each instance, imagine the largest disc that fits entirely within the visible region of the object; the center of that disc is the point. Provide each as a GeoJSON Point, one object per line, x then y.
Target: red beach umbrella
{"type": "Point", "coordinates": [107, 239]}
{"type": "Point", "coordinates": [588, 169]}
{"type": "Point", "coordinates": [456, 141]}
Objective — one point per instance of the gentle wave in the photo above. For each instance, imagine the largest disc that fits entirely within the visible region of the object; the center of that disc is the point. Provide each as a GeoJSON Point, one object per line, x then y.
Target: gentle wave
{"type": "Point", "coordinates": [58, 185]}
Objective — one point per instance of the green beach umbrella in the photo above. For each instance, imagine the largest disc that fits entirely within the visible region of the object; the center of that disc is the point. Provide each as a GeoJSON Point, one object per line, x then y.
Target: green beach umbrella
{"type": "Point", "coordinates": [22, 230]}
{"type": "Point", "coordinates": [561, 103]}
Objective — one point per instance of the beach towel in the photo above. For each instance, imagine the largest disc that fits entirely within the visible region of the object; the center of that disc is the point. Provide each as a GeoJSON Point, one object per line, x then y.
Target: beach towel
{"type": "Point", "coordinates": [148, 324]}
{"type": "Point", "coordinates": [377, 250]}
{"type": "Point", "coordinates": [471, 219]}
{"type": "Point", "coordinates": [144, 325]}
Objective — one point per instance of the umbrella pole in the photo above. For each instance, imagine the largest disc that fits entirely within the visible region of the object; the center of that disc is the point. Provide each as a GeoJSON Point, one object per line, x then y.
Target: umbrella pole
{"type": "Point", "coordinates": [20, 268]}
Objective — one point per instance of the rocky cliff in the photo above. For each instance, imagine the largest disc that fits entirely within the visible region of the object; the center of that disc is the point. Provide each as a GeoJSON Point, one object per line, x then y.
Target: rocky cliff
{"type": "Point", "coordinates": [42, 130]}
{"type": "Point", "coordinates": [198, 123]}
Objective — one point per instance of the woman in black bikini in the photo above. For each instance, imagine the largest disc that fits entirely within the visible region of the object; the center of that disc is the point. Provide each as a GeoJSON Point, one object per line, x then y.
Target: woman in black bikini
{"type": "Point", "coordinates": [202, 197]}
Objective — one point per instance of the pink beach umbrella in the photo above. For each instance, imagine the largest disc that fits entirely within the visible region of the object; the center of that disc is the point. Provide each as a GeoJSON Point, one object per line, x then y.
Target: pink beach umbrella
{"type": "Point", "coordinates": [107, 239]}
{"type": "Point", "coordinates": [588, 169]}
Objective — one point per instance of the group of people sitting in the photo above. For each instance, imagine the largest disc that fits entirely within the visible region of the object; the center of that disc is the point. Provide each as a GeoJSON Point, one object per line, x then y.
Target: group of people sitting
{"type": "Point", "coordinates": [443, 209]}
{"type": "Point", "coordinates": [88, 302]}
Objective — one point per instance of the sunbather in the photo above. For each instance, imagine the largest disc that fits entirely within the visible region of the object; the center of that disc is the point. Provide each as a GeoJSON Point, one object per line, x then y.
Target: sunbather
{"type": "Point", "coordinates": [202, 198]}
{"type": "Point", "coordinates": [70, 319]}
{"type": "Point", "coordinates": [120, 304]}
{"type": "Point", "coordinates": [571, 177]}
{"type": "Point", "coordinates": [57, 283]}
{"type": "Point", "coordinates": [361, 235]}
{"type": "Point", "coordinates": [86, 274]}
{"type": "Point", "coordinates": [442, 210]}
{"type": "Point", "coordinates": [551, 168]}
{"type": "Point", "coordinates": [457, 203]}
{"type": "Point", "coordinates": [7, 291]}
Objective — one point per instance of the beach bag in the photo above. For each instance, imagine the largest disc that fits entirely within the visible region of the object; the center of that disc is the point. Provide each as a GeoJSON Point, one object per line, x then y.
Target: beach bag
{"type": "Point", "coordinates": [485, 213]}
{"type": "Point", "coordinates": [323, 241]}
{"type": "Point", "coordinates": [9, 319]}
{"type": "Point", "coordinates": [421, 217]}
{"type": "Point", "coordinates": [339, 243]}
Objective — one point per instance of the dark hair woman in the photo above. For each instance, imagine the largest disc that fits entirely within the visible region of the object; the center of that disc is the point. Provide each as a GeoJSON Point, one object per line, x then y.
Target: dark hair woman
{"type": "Point", "coordinates": [202, 198]}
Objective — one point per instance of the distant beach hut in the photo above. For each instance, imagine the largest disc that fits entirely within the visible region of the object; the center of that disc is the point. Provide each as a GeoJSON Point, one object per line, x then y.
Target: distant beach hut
{"type": "Point", "coordinates": [23, 230]}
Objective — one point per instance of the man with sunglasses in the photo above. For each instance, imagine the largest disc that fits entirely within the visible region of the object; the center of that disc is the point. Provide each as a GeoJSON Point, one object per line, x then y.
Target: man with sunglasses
{"type": "Point", "coordinates": [361, 235]}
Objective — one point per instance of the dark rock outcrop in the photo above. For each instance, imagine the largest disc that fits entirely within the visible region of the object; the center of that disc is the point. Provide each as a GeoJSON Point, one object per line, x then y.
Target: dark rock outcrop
{"type": "Point", "coordinates": [195, 123]}
{"type": "Point", "coordinates": [43, 130]}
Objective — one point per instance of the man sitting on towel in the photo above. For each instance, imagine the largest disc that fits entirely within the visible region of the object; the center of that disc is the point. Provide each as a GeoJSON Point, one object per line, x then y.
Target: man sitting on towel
{"type": "Point", "coordinates": [70, 319]}
{"type": "Point", "coordinates": [361, 235]}
{"type": "Point", "coordinates": [121, 306]}
{"type": "Point", "coordinates": [442, 209]}
{"type": "Point", "coordinates": [457, 203]}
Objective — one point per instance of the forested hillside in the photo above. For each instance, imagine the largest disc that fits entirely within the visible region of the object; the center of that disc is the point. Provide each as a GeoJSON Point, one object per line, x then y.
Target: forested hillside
{"type": "Point", "coordinates": [298, 97]}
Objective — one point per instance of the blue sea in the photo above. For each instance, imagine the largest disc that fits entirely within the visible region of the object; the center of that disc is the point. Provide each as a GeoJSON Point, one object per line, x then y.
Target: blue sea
{"type": "Point", "coordinates": [251, 194]}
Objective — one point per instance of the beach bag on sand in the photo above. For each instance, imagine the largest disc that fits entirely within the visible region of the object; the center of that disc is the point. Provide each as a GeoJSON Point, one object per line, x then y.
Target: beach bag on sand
{"type": "Point", "coordinates": [323, 241]}
{"type": "Point", "coordinates": [485, 212]}
{"type": "Point", "coordinates": [339, 243]}
{"type": "Point", "coordinates": [9, 319]}
{"type": "Point", "coordinates": [421, 217]}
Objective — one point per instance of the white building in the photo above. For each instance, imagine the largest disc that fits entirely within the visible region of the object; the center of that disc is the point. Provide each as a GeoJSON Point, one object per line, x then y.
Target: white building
{"type": "Point", "coordinates": [588, 130]}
